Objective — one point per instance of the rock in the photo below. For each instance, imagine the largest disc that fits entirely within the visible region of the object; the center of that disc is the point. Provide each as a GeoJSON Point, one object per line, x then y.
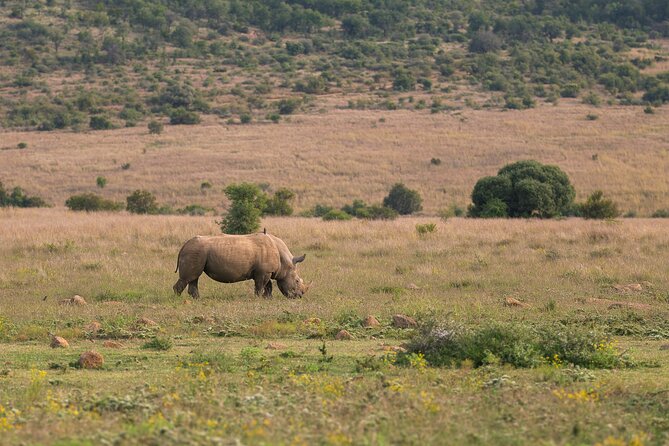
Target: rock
{"type": "Point", "coordinates": [112, 344]}
{"type": "Point", "coordinates": [146, 322]}
{"type": "Point", "coordinates": [276, 346]}
{"type": "Point", "coordinates": [370, 322]}
{"type": "Point", "coordinates": [312, 321]}
{"type": "Point", "coordinates": [402, 321]}
{"type": "Point", "coordinates": [343, 335]}
{"type": "Point", "coordinates": [58, 342]}
{"type": "Point", "coordinates": [511, 302]}
{"type": "Point", "coordinates": [93, 327]}
{"type": "Point", "coordinates": [630, 287]}
{"type": "Point", "coordinates": [75, 300]}
{"type": "Point", "coordinates": [413, 286]}
{"type": "Point", "coordinates": [664, 347]}
{"type": "Point", "coordinates": [91, 360]}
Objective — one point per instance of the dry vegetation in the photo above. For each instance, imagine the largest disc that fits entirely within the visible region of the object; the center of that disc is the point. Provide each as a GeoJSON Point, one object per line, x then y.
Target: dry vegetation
{"type": "Point", "coordinates": [326, 158]}
{"type": "Point", "coordinates": [209, 379]}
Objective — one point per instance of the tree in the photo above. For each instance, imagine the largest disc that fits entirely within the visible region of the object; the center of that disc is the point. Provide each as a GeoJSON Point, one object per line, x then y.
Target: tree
{"type": "Point", "coordinates": [141, 202]}
{"type": "Point", "coordinates": [404, 200]}
{"type": "Point", "coordinates": [527, 188]}
{"type": "Point", "coordinates": [279, 204]}
{"type": "Point", "coordinates": [598, 207]}
{"type": "Point", "coordinates": [91, 202]}
{"type": "Point", "coordinates": [248, 202]}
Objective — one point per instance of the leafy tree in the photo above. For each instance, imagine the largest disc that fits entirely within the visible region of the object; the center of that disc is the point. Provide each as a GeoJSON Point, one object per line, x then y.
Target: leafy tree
{"type": "Point", "coordinates": [403, 200]}
{"type": "Point", "coordinates": [155, 127]}
{"type": "Point", "coordinates": [598, 207]}
{"type": "Point", "coordinates": [484, 42]}
{"type": "Point", "coordinates": [141, 202]}
{"type": "Point", "coordinates": [279, 204]}
{"type": "Point", "coordinates": [18, 198]}
{"type": "Point", "coordinates": [90, 202]}
{"type": "Point", "coordinates": [527, 189]}
{"type": "Point", "coordinates": [248, 201]}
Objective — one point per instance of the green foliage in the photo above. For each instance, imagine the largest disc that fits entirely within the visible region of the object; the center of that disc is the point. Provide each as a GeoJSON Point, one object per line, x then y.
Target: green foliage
{"type": "Point", "coordinates": [18, 198]}
{"type": "Point", "coordinates": [426, 228]}
{"type": "Point", "coordinates": [403, 80]}
{"type": "Point", "coordinates": [248, 201]}
{"type": "Point", "coordinates": [279, 204]}
{"type": "Point", "coordinates": [101, 182]}
{"type": "Point", "coordinates": [289, 105]}
{"type": "Point", "coordinates": [101, 123]}
{"type": "Point", "coordinates": [155, 127]}
{"type": "Point", "coordinates": [523, 189]}
{"type": "Point", "coordinates": [183, 116]}
{"type": "Point", "coordinates": [245, 118]}
{"type": "Point", "coordinates": [661, 213]}
{"type": "Point", "coordinates": [598, 207]}
{"type": "Point", "coordinates": [516, 344]}
{"type": "Point", "coordinates": [371, 212]}
{"type": "Point", "coordinates": [194, 210]}
{"type": "Point", "coordinates": [141, 202]}
{"type": "Point", "coordinates": [403, 200]}
{"type": "Point", "coordinates": [91, 202]}
{"type": "Point", "coordinates": [157, 343]}
{"type": "Point", "coordinates": [484, 42]}
{"type": "Point", "coordinates": [336, 214]}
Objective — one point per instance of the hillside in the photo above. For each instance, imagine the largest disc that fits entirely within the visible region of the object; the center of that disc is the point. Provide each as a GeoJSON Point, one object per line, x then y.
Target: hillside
{"type": "Point", "coordinates": [104, 64]}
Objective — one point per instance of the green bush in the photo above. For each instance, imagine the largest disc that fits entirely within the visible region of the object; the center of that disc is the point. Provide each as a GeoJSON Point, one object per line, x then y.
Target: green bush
{"type": "Point", "coordinates": [248, 202]}
{"type": "Point", "coordinates": [100, 123]}
{"type": "Point", "coordinates": [18, 198]}
{"type": "Point", "coordinates": [523, 189]}
{"type": "Point", "coordinates": [141, 202]}
{"type": "Point", "coordinates": [181, 116]}
{"type": "Point", "coordinates": [155, 127]}
{"type": "Point", "coordinates": [359, 209]}
{"type": "Point", "coordinates": [516, 344]}
{"type": "Point", "coordinates": [598, 207]}
{"type": "Point", "coordinates": [101, 182]}
{"type": "Point", "coordinates": [194, 210]}
{"type": "Point", "coordinates": [158, 344]}
{"type": "Point", "coordinates": [336, 214]}
{"type": "Point", "coordinates": [289, 105]}
{"type": "Point", "coordinates": [484, 42]}
{"type": "Point", "coordinates": [403, 200]}
{"type": "Point", "coordinates": [279, 204]}
{"type": "Point", "coordinates": [661, 213]}
{"type": "Point", "coordinates": [91, 202]}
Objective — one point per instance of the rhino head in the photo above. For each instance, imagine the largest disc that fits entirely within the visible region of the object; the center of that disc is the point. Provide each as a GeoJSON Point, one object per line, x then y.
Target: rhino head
{"type": "Point", "coordinates": [292, 285]}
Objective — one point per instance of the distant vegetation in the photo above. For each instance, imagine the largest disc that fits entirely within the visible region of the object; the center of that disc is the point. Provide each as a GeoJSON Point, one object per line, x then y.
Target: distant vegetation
{"type": "Point", "coordinates": [523, 189]}
{"type": "Point", "coordinates": [18, 198]}
{"type": "Point", "coordinates": [135, 59]}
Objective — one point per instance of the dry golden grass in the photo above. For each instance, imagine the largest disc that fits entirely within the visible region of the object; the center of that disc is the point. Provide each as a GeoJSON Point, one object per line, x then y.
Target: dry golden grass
{"type": "Point", "coordinates": [341, 155]}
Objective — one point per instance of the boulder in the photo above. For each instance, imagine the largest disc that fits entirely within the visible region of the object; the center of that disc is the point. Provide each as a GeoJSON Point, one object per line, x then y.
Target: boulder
{"type": "Point", "coordinates": [58, 342]}
{"type": "Point", "coordinates": [91, 360]}
{"type": "Point", "coordinates": [403, 321]}
{"type": "Point", "coordinates": [370, 322]}
{"type": "Point", "coordinates": [343, 335]}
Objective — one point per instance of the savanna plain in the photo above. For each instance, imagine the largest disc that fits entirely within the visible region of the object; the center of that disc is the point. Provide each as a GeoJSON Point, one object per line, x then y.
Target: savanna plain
{"type": "Point", "coordinates": [231, 368]}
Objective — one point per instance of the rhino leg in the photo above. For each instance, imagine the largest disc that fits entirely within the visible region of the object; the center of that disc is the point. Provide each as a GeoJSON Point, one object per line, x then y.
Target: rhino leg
{"type": "Point", "coordinates": [179, 287]}
{"type": "Point", "coordinates": [192, 289]}
{"type": "Point", "coordinates": [263, 285]}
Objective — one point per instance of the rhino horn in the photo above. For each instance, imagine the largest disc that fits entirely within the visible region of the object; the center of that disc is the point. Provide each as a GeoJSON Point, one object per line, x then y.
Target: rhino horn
{"type": "Point", "coordinates": [299, 259]}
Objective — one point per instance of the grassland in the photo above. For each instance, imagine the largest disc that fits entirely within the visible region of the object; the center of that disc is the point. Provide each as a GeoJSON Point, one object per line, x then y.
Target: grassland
{"type": "Point", "coordinates": [219, 384]}
{"type": "Point", "coordinates": [326, 158]}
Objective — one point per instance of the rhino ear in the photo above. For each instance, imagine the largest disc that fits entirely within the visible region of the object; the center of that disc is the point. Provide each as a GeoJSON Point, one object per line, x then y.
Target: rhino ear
{"type": "Point", "coordinates": [299, 259]}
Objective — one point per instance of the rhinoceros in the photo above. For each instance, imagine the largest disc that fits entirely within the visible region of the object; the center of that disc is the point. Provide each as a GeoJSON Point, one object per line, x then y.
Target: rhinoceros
{"type": "Point", "coordinates": [234, 258]}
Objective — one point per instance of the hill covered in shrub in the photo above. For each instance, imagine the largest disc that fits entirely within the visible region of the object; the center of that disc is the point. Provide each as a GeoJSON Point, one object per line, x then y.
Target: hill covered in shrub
{"type": "Point", "coordinates": [104, 64]}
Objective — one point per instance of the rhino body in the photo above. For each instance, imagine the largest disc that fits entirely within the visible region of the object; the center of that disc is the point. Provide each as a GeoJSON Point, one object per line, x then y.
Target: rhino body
{"type": "Point", "coordinates": [234, 258]}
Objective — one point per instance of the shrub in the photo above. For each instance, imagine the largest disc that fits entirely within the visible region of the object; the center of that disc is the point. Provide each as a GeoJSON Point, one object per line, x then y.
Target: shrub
{"type": "Point", "coordinates": [516, 344]}
{"type": "Point", "coordinates": [155, 127]}
{"type": "Point", "coordinates": [336, 214]}
{"type": "Point", "coordinates": [141, 202]}
{"type": "Point", "coordinates": [181, 116]}
{"type": "Point", "coordinates": [18, 198]}
{"type": "Point", "coordinates": [403, 80]}
{"type": "Point", "coordinates": [248, 201]}
{"type": "Point", "coordinates": [426, 228]}
{"type": "Point", "coordinates": [484, 42]}
{"type": "Point", "coordinates": [91, 202]}
{"type": "Point", "coordinates": [523, 189]}
{"type": "Point", "coordinates": [661, 213]}
{"type": "Point", "coordinates": [245, 118]}
{"type": "Point", "coordinates": [320, 210]}
{"type": "Point", "coordinates": [598, 207]}
{"type": "Point", "coordinates": [101, 182]}
{"type": "Point", "coordinates": [372, 212]}
{"type": "Point", "coordinates": [158, 344]}
{"type": "Point", "coordinates": [194, 209]}
{"type": "Point", "coordinates": [435, 161]}
{"type": "Point", "coordinates": [100, 123]}
{"type": "Point", "coordinates": [22, 145]}
{"type": "Point", "coordinates": [403, 200]}
{"type": "Point", "coordinates": [279, 204]}
{"type": "Point", "coordinates": [289, 105]}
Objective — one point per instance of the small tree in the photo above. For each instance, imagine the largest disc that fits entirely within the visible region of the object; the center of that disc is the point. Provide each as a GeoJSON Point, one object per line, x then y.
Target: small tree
{"type": "Point", "coordinates": [91, 202]}
{"type": "Point", "coordinates": [248, 201]}
{"type": "Point", "coordinates": [279, 204]}
{"type": "Point", "coordinates": [141, 202]}
{"type": "Point", "coordinates": [155, 127]}
{"type": "Point", "coordinates": [598, 207]}
{"type": "Point", "coordinates": [404, 200]}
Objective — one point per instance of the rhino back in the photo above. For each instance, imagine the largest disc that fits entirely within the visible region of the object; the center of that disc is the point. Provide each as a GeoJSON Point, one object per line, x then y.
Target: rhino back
{"type": "Point", "coordinates": [232, 258]}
